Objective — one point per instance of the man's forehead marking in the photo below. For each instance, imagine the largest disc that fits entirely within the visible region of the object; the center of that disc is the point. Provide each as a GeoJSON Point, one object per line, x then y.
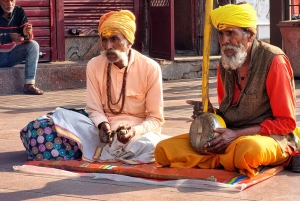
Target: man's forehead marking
{"type": "Point", "coordinates": [110, 32]}
{"type": "Point", "coordinates": [225, 27]}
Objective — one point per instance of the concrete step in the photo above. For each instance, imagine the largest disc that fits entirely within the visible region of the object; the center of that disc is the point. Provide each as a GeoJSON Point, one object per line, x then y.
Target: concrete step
{"type": "Point", "coordinates": [187, 67]}
{"type": "Point", "coordinates": [50, 76]}
{"type": "Point", "coordinates": [53, 76]}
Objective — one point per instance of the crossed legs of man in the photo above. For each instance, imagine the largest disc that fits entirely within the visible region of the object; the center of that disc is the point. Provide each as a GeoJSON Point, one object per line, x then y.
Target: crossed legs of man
{"type": "Point", "coordinates": [245, 154]}
{"type": "Point", "coordinates": [28, 52]}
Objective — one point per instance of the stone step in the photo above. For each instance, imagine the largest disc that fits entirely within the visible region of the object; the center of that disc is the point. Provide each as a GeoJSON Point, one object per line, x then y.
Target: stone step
{"type": "Point", "coordinates": [187, 67]}
{"type": "Point", "coordinates": [55, 76]}
{"type": "Point", "coordinates": [50, 76]}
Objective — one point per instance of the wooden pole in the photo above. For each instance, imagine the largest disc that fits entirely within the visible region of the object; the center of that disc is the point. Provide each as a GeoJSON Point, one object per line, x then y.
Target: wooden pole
{"type": "Point", "coordinates": [206, 53]}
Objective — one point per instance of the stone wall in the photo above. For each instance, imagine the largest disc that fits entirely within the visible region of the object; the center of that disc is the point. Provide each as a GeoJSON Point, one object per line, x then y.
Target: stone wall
{"type": "Point", "coordinates": [187, 69]}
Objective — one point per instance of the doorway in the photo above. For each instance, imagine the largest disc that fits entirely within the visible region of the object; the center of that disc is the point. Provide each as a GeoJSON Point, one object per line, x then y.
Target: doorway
{"type": "Point", "coordinates": [184, 24]}
{"type": "Point", "coordinates": [172, 28]}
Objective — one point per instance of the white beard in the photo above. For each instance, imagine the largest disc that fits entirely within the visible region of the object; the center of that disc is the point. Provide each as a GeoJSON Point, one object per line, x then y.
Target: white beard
{"type": "Point", "coordinates": [121, 56]}
{"type": "Point", "coordinates": [235, 61]}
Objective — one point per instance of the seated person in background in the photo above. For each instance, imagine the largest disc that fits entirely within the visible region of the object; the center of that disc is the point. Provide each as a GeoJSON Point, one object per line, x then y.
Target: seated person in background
{"type": "Point", "coordinates": [16, 44]}
{"type": "Point", "coordinates": [255, 87]}
{"type": "Point", "coordinates": [124, 102]}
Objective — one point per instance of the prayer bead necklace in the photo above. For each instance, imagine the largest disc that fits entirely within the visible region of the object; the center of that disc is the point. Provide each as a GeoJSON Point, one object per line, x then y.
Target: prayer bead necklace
{"type": "Point", "coordinates": [108, 90]}
{"type": "Point", "coordinates": [122, 94]}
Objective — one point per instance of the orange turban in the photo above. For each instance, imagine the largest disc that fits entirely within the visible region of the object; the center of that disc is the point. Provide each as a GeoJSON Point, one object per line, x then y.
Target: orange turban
{"type": "Point", "coordinates": [123, 20]}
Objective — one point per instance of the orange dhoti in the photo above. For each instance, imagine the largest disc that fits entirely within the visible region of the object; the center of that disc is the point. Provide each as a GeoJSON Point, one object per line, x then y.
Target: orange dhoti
{"type": "Point", "coordinates": [244, 154]}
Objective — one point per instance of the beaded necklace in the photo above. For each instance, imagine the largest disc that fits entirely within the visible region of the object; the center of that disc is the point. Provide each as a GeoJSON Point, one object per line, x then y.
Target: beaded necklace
{"type": "Point", "coordinates": [108, 90]}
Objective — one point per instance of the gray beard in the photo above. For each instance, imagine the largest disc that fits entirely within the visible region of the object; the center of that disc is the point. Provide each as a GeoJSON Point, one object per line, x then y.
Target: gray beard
{"type": "Point", "coordinates": [235, 61]}
{"type": "Point", "coordinates": [121, 56]}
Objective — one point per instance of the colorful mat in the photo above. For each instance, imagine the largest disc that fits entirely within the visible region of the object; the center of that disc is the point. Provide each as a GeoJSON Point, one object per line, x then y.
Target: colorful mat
{"type": "Point", "coordinates": [151, 174]}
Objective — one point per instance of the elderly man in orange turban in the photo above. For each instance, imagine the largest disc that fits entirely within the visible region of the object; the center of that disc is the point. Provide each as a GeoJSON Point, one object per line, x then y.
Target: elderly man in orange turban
{"type": "Point", "coordinates": [256, 100]}
{"type": "Point", "coordinates": [124, 99]}
{"type": "Point", "coordinates": [124, 96]}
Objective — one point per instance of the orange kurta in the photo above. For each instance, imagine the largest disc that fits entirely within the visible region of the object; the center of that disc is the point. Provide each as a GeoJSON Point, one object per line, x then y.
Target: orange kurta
{"type": "Point", "coordinates": [143, 107]}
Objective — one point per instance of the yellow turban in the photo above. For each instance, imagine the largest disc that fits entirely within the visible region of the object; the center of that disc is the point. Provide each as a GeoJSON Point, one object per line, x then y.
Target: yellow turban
{"type": "Point", "coordinates": [123, 20]}
{"type": "Point", "coordinates": [242, 15]}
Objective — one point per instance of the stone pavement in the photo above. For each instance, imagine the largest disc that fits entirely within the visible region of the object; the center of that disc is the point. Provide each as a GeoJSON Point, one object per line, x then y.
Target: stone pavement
{"type": "Point", "coordinates": [17, 110]}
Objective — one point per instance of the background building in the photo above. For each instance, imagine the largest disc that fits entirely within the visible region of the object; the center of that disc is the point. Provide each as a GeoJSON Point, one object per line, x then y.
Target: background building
{"type": "Point", "coordinates": [67, 29]}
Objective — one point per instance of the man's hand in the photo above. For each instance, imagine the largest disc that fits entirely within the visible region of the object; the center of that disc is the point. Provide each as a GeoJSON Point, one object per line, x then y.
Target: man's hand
{"type": "Point", "coordinates": [198, 108]}
{"type": "Point", "coordinates": [16, 37]}
{"type": "Point", "coordinates": [220, 144]}
{"type": "Point", "coordinates": [104, 132]}
{"type": "Point", "coordinates": [125, 134]}
{"type": "Point", "coordinates": [27, 30]}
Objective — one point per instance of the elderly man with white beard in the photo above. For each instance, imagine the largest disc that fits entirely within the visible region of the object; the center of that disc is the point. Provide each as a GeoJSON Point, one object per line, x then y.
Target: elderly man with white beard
{"type": "Point", "coordinates": [124, 104]}
{"type": "Point", "coordinates": [255, 87]}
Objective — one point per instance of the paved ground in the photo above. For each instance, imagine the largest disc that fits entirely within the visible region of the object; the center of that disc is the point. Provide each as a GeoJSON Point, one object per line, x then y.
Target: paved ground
{"type": "Point", "coordinates": [18, 109]}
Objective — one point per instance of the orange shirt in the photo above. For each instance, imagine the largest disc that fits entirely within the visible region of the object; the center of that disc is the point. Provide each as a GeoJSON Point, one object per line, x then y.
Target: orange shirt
{"type": "Point", "coordinates": [281, 95]}
{"type": "Point", "coordinates": [143, 108]}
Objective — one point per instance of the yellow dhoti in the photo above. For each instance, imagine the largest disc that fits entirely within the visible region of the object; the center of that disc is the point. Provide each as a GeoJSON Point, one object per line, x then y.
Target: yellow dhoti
{"type": "Point", "coordinates": [246, 154]}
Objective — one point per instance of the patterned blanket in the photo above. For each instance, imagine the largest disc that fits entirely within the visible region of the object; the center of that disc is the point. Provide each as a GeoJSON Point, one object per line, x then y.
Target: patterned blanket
{"type": "Point", "coordinates": [215, 179]}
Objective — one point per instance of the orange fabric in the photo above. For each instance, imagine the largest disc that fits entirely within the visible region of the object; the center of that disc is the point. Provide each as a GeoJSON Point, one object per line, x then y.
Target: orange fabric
{"type": "Point", "coordinates": [177, 152]}
{"type": "Point", "coordinates": [246, 154]}
{"type": "Point", "coordinates": [143, 107]}
{"type": "Point", "coordinates": [123, 20]}
{"type": "Point", "coordinates": [150, 170]}
{"type": "Point", "coordinates": [105, 17]}
{"type": "Point", "coordinates": [281, 96]}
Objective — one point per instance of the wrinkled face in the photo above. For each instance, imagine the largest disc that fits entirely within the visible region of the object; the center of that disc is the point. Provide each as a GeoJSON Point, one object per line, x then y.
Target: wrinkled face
{"type": "Point", "coordinates": [236, 60]}
{"type": "Point", "coordinates": [235, 43]}
{"type": "Point", "coordinates": [115, 46]}
{"type": "Point", "coordinates": [8, 5]}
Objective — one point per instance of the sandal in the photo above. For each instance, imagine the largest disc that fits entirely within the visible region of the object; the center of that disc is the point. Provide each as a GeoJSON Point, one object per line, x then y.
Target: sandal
{"type": "Point", "coordinates": [32, 89]}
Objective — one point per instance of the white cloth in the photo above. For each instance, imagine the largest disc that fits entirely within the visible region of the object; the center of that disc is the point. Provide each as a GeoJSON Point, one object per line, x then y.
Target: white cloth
{"type": "Point", "coordinates": [82, 130]}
